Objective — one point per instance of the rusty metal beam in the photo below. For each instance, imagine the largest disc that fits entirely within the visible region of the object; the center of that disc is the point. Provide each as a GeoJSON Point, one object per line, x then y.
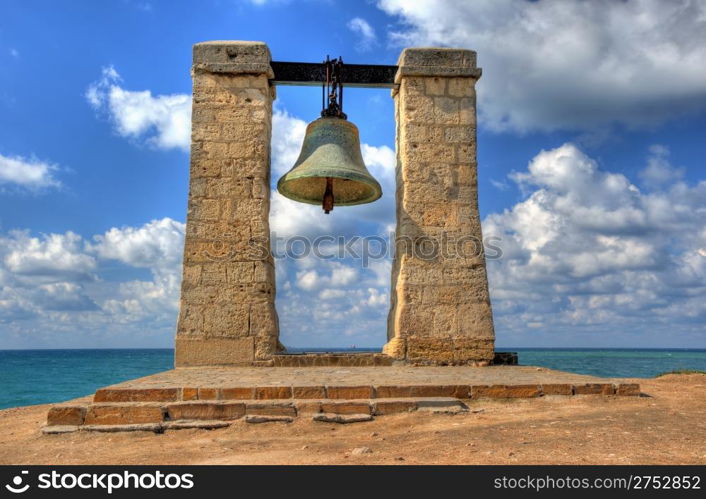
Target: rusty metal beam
{"type": "Point", "coordinates": [353, 75]}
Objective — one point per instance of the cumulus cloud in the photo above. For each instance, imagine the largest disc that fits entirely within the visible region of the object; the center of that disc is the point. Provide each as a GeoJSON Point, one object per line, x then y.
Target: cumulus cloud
{"type": "Point", "coordinates": [572, 64]}
{"type": "Point", "coordinates": [51, 256]}
{"type": "Point", "coordinates": [56, 283]}
{"type": "Point", "coordinates": [659, 171]}
{"type": "Point", "coordinates": [587, 250]}
{"type": "Point", "coordinates": [334, 304]}
{"type": "Point", "coordinates": [162, 121]}
{"type": "Point", "coordinates": [367, 38]}
{"type": "Point", "coordinates": [27, 173]}
{"type": "Point", "coordinates": [43, 274]}
{"type": "Point", "coordinates": [158, 243]}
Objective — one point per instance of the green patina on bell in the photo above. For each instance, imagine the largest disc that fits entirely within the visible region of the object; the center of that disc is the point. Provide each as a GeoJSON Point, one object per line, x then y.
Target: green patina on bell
{"type": "Point", "coordinates": [330, 168]}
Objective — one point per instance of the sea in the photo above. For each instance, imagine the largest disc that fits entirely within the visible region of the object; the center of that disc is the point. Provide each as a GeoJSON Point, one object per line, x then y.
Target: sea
{"type": "Point", "coordinates": [46, 376]}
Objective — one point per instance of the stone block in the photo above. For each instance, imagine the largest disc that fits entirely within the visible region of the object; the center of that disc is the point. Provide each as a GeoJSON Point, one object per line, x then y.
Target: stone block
{"type": "Point", "coordinates": [382, 407]}
{"type": "Point", "coordinates": [309, 392]}
{"type": "Point", "coordinates": [273, 392]}
{"type": "Point", "coordinates": [66, 415]}
{"type": "Point", "coordinates": [237, 393]}
{"type": "Point", "coordinates": [426, 350]}
{"type": "Point", "coordinates": [136, 395]}
{"type": "Point", "coordinates": [206, 410]}
{"type": "Point", "coordinates": [628, 389]}
{"type": "Point", "coordinates": [208, 394]}
{"type": "Point", "coordinates": [461, 87]}
{"type": "Point", "coordinates": [558, 389]}
{"type": "Point", "coordinates": [214, 351]}
{"type": "Point", "coordinates": [345, 407]}
{"type": "Point", "coordinates": [435, 86]}
{"type": "Point", "coordinates": [189, 393]}
{"type": "Point", "coordinates": [436, 61]}
{"type": "Point", "coordinates": [349, 392]}
{"type": "Point", "coordinates": [342, 418]}
{"type": "Point", "coordinates": [459, 134]}
{"type": "Point", "coordinates": [308, 406]}
{"type": "Point", "coordinates": [264, 409]}
{"type": "Point", "coordinates": [506, 391]}
{"type": "Point", "coordinates": [231, 320]}
{"type": "Point", "coordinates": [268, 419]}
{"type": "Point", "coordinates": [123, 414]}
{"type": "Point", "coordinates": [594, 389]}
{"type": "Point", "coordinates": [233, 57]}
{"type": "Point", "coordinates": [405, 391]}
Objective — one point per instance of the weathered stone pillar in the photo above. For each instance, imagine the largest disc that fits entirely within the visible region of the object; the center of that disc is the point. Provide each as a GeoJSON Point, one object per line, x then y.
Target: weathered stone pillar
{"type": "Point", "coordinates": [440, 308]}
{"type": "Point", "coordinates": [227, 314]}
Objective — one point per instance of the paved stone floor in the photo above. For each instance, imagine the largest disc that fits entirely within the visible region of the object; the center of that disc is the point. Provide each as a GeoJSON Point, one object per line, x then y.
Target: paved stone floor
{"type": "Point", "coordinates": [219, 377]}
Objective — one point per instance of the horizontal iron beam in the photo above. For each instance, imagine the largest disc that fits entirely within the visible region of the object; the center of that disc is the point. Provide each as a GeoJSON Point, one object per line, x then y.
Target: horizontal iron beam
{"type": "Point", "coordinates": [353, 75]}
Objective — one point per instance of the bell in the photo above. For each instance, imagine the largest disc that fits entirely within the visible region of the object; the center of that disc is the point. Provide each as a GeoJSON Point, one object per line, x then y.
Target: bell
{"type": "Point", "coordinates": [330, 168]}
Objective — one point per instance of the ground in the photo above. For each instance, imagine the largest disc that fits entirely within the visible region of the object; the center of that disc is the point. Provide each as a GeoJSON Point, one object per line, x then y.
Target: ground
{"type": "Point", "coordinates": [665, 427]}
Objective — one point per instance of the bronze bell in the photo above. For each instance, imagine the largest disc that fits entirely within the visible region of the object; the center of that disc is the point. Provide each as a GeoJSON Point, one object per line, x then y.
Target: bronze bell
{"type": "Point", "coordinates": [330, 168]}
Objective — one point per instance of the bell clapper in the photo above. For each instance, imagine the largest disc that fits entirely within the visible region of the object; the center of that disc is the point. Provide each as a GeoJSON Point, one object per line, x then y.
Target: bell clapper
{"type": "Point", "coordinates": [328, 196]}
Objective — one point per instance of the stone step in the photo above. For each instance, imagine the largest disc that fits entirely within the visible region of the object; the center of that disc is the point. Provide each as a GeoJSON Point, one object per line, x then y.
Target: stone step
{"type": "Point", "coordinates": [151, 413]}
{"type": "Point", "coordinates": [298, 392]}
{"type": "Point", "coordinates": [332, 359]}
{"type": "Point", "coordinates": [329, 417]}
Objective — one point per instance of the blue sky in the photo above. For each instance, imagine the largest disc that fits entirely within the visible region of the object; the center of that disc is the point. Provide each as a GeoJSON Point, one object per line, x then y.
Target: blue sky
{"type": "Point", "coordinates": [592, 119]}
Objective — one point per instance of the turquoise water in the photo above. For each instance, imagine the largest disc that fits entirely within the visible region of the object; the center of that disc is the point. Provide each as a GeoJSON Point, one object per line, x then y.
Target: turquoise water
{"type": "Point", "coordinates": [43, 376]}
{"type": "Point", "coordinates": [619, 363]}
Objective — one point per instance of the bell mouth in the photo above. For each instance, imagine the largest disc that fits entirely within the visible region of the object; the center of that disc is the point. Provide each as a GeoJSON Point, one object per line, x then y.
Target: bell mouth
{"type": "Point", "coordinates": [352, 190]}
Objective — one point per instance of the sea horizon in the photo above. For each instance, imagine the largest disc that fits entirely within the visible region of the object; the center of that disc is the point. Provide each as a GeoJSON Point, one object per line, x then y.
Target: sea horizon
{"type": "Point", "coordinates": [49, 375]}
{"type": "Point", "coordinates": [363, 349]}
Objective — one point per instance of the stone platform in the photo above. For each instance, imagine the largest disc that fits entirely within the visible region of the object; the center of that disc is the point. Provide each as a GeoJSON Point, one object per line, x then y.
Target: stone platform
{"type": "Point", "coordinates": [210, 397]}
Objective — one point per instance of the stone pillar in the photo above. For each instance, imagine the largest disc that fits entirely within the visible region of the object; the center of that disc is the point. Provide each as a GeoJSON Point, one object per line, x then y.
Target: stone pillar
{"type": "Point", "coordinates": [227, 314]}
{"type": "Point", "coordinates": [440, 308]}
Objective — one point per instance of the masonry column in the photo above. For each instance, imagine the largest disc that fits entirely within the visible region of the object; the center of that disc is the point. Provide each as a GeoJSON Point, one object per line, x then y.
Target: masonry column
{"type": "Point", "coordinates": [440, 307]}
{"type": "Point", "coordinates": [227, 314]}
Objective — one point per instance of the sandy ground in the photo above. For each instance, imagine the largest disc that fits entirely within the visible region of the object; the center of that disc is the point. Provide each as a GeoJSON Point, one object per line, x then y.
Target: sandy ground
{"type": "Point", "coordinates": [666, 427]}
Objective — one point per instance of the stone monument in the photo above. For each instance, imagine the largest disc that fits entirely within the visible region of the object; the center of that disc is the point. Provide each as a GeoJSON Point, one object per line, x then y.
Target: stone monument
{"type": "Point", "coordinates": [228, 331]}
{"type": "Point", "coordinates": [440, 308]}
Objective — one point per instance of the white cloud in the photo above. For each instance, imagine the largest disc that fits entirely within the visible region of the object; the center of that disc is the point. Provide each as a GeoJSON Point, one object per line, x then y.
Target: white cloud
{"type": "Point", "coordinates": [376, 298]}
{"type": "Point", "coordinates": [63, 296]}
{"type": "Point", "coordinates": [27, 173]}
{"type": "Point", "coordinates": [53, 255]}
{"type": "Point", "coordinates": [587, 251]}
{"type": "Point", "coordinates": [659, 171]}
{"type": "Point", "coordinates": [365, 32]}
{"type": "Point", "coordinates": [340, 275]}
{"type": "Point", "coordinates": [308, 279]}
{"type": "Point", "coordinates": [158, 243]}
{"type": "Point", "coordinates": [163, 121]}
{"type": "Point", "coordinates": [61, 283]}
{"type": "Point", "coordinates": [572, 64]}
{"type": "Point", "coordinates": [331, 294]}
